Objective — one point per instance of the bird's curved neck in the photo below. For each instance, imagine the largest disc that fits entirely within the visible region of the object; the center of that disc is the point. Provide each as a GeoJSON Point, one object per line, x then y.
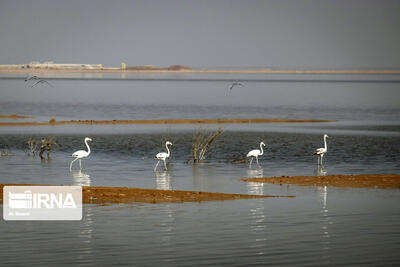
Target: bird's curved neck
{"type": "Point", "coordinates": [262, 151]}
{"type": "Point", "coordinates": [166, 145]}
{"type": "Point", "coordinates": [88, 147]}
{"type": "Point", "coordinates": [326, 146]}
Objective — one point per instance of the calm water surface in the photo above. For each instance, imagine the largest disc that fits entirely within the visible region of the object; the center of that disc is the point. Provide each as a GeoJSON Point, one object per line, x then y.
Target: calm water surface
{"type": "Point", "coordinates": [321, 226]}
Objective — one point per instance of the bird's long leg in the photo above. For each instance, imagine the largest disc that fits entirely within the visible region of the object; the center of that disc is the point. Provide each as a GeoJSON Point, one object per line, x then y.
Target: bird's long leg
{"type": "Point", "coordinates": [257, 162]}
{"type": "Point", "coordinates": [80, 164]}
{"type": "Point", "coordinates": [70, 166]}
{"type": "Point", "coordinates": [165, 165]}
{"type": "Point", "coordinates": [250, 162]}
{"type": "Point", "coordinates": [155, 168]}
{"type": "Point", "coordinates": [322, 155]}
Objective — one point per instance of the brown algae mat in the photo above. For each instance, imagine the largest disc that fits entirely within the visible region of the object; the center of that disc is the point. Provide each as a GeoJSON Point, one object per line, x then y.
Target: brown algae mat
{"type": "Point", "coordinates": [104, 195]}
{"type": "Point", "coordinates": [339, 180]}
{"type": "Point", "coordinates": [170, 121]}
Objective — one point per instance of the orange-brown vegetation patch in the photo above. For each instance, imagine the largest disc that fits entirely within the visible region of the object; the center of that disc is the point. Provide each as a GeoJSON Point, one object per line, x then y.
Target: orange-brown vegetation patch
{"type": "Point", "coordinates": [14, 116]}
{"type": "Point", "coordinates": [356, 181]}
{"type": "Point", "coordinates": [172, 121]}
{"type": "Point", "coordinates": [102, 195]}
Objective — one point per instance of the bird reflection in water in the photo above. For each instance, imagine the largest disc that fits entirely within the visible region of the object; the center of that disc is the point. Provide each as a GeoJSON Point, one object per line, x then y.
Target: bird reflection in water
{"type": "Point", "coordinates": [320, 171]}
{"type": "Point", "coordinates": [80, 178]}
{"type": "Point", "coordinates": [163, 180]}
{"type": "Point", "coordinates": [325, 221]}
{"type": "Point", "coordinates": [255, 188]}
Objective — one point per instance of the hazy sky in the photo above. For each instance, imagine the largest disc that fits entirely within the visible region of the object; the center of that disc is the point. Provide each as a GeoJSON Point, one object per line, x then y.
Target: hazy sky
{"type": "Point", "coordinates": [281, 33]}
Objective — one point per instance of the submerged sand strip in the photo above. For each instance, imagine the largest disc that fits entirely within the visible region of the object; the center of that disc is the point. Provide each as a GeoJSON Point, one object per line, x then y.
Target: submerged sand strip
{"type": "Point", "coordinates": [102, 195]}
{"type": "Point", "coordinates": [170, 121]}
{"type": "Point", "coordinates": [355, 181]}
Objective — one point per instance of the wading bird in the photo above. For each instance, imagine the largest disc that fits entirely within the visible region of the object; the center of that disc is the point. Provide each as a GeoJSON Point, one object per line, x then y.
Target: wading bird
{"type": "Point", "coordinates": [236, 83]}
{"type": "Point", "coordinates": [255, 153]}
{"type": "Point", "coordinates": [321, 151]}
{"type": "Point", "coordinates": [80, 154]}
{"type": "Point", "coordinates": [163, 156]}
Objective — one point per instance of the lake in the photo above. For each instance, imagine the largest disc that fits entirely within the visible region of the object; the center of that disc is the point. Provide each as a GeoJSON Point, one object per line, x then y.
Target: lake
{"type": "Point", "coordinates": [321, 226]}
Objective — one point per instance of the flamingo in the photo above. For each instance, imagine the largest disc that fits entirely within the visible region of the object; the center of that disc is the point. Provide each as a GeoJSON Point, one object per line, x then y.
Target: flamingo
{"type": "Point", "coordinates": [255, 153]}
{"type": "Point", "coordinates": [163, 156]}
{"type": "Point", "coordinates": [321, 151]}
{"type": "Point", "coordinates": [80, 154]}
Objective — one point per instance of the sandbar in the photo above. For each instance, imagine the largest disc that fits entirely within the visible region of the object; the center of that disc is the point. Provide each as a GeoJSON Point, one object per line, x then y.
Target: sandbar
{"type": "Point", "coordinates": [338, 180]}
{"type": "Point", "coordinates": [104, 195]}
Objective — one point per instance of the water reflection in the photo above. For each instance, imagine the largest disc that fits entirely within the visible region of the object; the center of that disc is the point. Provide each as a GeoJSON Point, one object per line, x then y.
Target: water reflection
{"type": "Point", "coordinates": [80, 178]}
{"type": "Point", "coordinates": [85, 250]}
{"type": "Point", "coordinates": [255, 188]}
{"type": "Point", "coordinates": [163, 181]}
{"type": "Point", "coordinates": [319, 171]}
{"type": "Point", "coordinates": [325, 223]}
{"type": "Point", "coordinates": [255, 173]}
{"type": "Point", "coordinates": [258, 223]}
{"type": "Point", "coordinates": [203, 177]}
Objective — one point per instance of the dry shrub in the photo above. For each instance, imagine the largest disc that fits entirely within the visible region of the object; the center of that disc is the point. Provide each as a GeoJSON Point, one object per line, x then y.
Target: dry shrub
{"type": "Point", "coordinates": [46, 145]}
{"type": "Point", "coordinates": [32, 147]}
{"type": "Point", "coordinates": [202, 140]}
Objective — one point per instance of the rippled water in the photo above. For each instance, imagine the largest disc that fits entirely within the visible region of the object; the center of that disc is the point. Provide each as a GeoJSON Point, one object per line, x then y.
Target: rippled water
{"type": "Point", "coordinates": [321, 226]}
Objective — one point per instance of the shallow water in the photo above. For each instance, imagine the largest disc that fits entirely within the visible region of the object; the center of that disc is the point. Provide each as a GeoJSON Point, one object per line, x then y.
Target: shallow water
{"type": "Point", "coordinates": [321, 226]}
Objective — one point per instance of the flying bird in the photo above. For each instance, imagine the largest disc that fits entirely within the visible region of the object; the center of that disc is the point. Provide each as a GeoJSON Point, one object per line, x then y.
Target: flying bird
{"type": "Point", "coordinates": [31, 78]}
{"type": "Point", "coordinates": [42, 81]}
{"type": "Point", "coordinates": [320, 152]}
{"type": "Point", "coordinates": [235, 84]}
{"type": "Point", "coordinates": [163, 156]}
{"type": "Point", "coordinates": [80, 154]}
{"type": "Point", "coordinates": [255, 154]}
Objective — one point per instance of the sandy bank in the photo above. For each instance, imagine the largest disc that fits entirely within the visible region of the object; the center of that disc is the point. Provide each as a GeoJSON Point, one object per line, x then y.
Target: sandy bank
{"type": "Point", "coordinates": [356, 181]}
{"type": "Point", "coordinates": [172, 121]}
{"type": "Point", "coordinates": [14, 116]}
{"type": "Point", "coordinates": [102, 195]}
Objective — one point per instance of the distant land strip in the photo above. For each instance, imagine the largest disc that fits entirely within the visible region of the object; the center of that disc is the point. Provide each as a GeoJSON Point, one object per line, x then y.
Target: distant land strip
{"type": "Point", "coordinates": [189, 70]}
{"type": "Point", "coordinates": [14, 116]}
{"type": "Point", "coordinates": [52, 121]}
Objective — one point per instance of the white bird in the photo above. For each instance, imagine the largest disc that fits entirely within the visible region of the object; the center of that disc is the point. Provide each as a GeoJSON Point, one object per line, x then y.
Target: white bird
{"type": "Point", "coordinates": [163, 156]}
{"type": "Point", "coordinates": [321, 151]}
{"type": "Point", "coordinates": [235, 84]}
{"type": "Point", "coordinates": [80, 154]}
{"type": "Point", "coordinates": [255, 154]}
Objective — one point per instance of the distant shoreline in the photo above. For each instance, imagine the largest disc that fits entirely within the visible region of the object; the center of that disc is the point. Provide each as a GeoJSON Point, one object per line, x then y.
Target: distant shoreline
{"type": "Point", "coordinates": [53, 122]}
{"type": "Point", "coordinates": [194, 71]}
